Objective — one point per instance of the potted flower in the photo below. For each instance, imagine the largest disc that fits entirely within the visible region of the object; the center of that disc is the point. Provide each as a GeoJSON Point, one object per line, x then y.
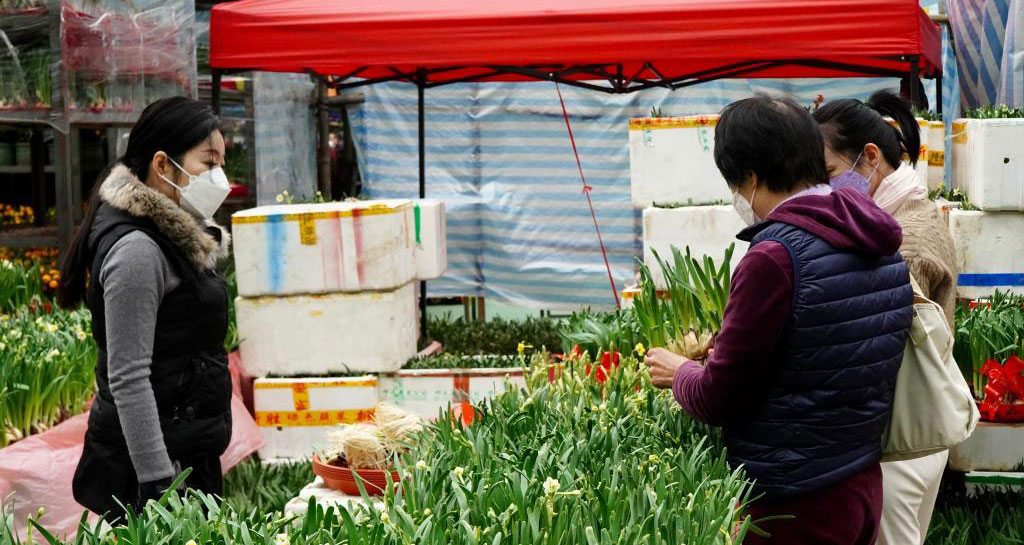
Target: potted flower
{"type": "Point", "coordinates": [365, 452]}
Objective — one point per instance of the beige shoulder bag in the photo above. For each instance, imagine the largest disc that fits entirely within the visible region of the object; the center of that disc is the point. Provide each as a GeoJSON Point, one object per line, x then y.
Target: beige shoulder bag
{"type": "Point", "coordinates": [932, 408]}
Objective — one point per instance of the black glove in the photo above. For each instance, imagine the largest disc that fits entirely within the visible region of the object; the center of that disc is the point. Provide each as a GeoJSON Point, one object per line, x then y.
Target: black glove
{"type": "Point", "coordinates": [153, 490]}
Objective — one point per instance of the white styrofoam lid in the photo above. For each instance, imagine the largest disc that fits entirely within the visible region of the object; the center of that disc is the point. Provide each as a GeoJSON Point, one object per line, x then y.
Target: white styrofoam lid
{"type": "Point", "coordinates": [285, 209]}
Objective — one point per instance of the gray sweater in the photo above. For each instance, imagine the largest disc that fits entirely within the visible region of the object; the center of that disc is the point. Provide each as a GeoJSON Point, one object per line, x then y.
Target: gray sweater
{"type": "Point", "coordinates": [135, 276]}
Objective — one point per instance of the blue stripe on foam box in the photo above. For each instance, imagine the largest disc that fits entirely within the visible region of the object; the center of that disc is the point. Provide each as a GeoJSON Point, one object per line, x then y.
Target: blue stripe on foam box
{"type": "Point", "coordinates": [991, 279]}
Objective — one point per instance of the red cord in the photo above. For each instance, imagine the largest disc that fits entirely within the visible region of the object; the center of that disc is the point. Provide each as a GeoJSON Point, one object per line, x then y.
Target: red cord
{"type": "Point", "coordinates": [586, 191]}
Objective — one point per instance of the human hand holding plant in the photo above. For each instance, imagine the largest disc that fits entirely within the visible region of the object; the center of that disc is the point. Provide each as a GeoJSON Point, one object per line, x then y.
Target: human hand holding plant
{"type": "Point", "coordinates": [663, 365]}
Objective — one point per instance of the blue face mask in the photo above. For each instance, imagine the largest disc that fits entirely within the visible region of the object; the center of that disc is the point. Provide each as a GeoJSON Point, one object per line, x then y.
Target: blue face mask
{"type": "Point", "coordinates": [851, 178]}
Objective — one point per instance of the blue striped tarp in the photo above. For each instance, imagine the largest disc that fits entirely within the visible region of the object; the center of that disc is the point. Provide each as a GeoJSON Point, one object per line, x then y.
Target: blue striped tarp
{"type": "Point", "coordinates": [990, 44]}
{"type": "Point", "coordinates": [519, 228]}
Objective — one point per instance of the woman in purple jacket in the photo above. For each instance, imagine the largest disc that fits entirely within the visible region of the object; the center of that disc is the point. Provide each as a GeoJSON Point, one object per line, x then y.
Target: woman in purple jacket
{"type": "Point", "coordinates": [802, 375]}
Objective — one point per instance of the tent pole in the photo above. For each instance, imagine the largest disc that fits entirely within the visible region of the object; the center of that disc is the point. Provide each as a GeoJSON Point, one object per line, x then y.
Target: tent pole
{"type": "Point", "coordinates": [215, 90]}
{"type": "Point", "coordinates": [914, 98]}
{"type": "Point", "coordinates": [938, 94]}
{"type": "Point", "coordinates": [421, 85]}
{"type": "Point", "coordinates": [323, 129]}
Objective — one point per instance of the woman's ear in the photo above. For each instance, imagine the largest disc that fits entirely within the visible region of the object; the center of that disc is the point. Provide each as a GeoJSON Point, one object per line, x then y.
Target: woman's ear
{"type": "Point", "coordinates": [158, 165]}
{"type": "Point", "coordinates": [872, 156]}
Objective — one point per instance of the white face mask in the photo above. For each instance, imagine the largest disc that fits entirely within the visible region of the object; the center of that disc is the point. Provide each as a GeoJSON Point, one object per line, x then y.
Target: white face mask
{"type": "Point", "coordinates": [744, 208]}
{"type": "Point", "coordinates": [204, 193]}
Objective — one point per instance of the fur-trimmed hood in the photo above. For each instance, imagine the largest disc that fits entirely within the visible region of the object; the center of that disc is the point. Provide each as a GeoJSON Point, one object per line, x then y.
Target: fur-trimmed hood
{"type": "Point", "coordinates": [123, 190]}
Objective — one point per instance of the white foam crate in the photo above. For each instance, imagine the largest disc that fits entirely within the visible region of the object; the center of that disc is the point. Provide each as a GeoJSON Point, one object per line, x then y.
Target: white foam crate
{"type": "Point", "coordinates": [992, 447]}
{"type": "Point", "coordinates": [707, 230]}
{"type": "Point", "coordinates": [936, 157]}
{"type": "Point", "coordinates": [922, 157]}
{"type": "Point", "coordinates": [431, 237]}
{"type": "Point", "coordinates": [428, 392]}
{"type": "Point", "coordinates": [988, 162]}
{"type": "Point", "coordinates": [671, 160]}
{"type": "Point", "coordinates": [295, 414]}
{"type": "Point", "coordinates": [324, 248]}
{"type": "Point", "coordinates": [369, 332]}
{"type": "Point", "coordinates": [989, 251]}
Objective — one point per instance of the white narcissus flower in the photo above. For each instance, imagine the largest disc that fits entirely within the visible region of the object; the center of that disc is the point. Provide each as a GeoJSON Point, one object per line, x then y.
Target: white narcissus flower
{"type": "Point", "coordinates": [458, 472]}
{"type": "Point", "coordinates": [191, 542]}
{"type": "Point", "coordinates": [422, 465]}
{"type": "Point", "coordinates": [427, 512]}
{"type": "Point", "coordinates": [385, 518]}
{"type": "Point", "coordinates": [281, 539]}
{"type": "Point", "coordinates": [52, 354]}
{"type": "Point", "coordinates": [550, 486]}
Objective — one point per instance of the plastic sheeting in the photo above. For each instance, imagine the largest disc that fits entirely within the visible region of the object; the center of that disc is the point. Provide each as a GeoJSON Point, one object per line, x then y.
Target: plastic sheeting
{"type": "Point", "coordinates": [498, 154]}
{"type": "Point", "coordinates": [110, 58]}
{"type": "Point", "coordinates": [37, 471]}
{"type": "Point", "coordinates": [990, 50]}
{"type": "Point", "coordinates": [370, 39]}
{"type": "Point", "coordinates": [285, 136]}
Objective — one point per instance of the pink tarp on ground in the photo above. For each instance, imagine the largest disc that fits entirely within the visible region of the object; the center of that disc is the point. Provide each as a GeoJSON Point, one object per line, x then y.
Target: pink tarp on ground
{"type": "Point", "coordinates": [38, 470]}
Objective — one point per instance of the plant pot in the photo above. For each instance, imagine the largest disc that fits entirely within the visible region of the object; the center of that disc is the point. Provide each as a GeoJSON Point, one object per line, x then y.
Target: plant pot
{"type": "Point", "coordinates": [344, 479]}
{"type": "Point", "coordinates": [6, 154]}
{"type": "Point", "coordinates": [22, 153]}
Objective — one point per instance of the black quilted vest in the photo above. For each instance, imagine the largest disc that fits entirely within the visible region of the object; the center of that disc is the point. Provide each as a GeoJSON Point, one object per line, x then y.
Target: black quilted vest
{"type": "Point", "coordinates": [189, 376]}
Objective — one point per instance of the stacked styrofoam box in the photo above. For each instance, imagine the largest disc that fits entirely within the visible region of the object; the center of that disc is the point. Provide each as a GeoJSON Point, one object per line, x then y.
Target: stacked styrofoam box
{"type": "Point", "coordinates": [671, 160]}
{"type": "Point", "coordinates": [431, 238]}
{"type": "Point", "coordinates": [988, 162]}
{"type": "Point", "coordinates": [922, 156]}
{"type": "Point", "coordinates": [327, 288]}
{"type": "Point", "coordinates": [992, 447]}
{"type": "Point", "coordinates": [707, 230]}
{"type": "Point", "coordinates": [990, 251]}
{"type": "Point", "coordinates": [936, 157]}
{"type": "Point", "coordinates": [295, 414]}
{"type": "Point", "coordinates": [427, 392]}
{"type": "Point", "coordinates": [371, 332]}
{"type": "Point", "coordinates": [324, 248]}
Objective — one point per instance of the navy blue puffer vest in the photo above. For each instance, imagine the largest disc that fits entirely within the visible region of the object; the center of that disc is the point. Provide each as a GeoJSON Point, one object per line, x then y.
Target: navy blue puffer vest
{"type": "Point", "coordinates": [820, 419]}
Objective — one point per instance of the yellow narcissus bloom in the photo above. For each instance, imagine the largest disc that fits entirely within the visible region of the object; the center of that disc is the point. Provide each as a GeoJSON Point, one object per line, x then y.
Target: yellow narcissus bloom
{"type": "Point", "coordinates": [640, 350]}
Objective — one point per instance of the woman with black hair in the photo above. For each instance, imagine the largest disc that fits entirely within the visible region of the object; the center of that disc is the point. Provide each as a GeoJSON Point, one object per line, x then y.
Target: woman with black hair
{"type": "Point", "coordinates": [865, 152]}
{"type": "Point", "coordinates": [143, 261]}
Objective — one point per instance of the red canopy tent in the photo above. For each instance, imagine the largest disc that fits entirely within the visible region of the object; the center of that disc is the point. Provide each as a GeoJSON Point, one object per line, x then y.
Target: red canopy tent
{"type": "Point", "coordinates": [615, 46]}
{"type": "Point", "coordinates": [623, 44]}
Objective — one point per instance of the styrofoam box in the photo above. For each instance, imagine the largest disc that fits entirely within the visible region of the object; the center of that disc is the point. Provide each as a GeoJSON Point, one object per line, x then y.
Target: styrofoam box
{"type": "Point", "coordinates": [707, 230]}
{"type": "Point", "coordinates": [944, 207]}
{"type": "Point", "coordinates": [324, 247]}
{"type": "Point", "coordinates": [922, 156]}
{"type": "Point", "coordinates": [989, 251]}
{"type": "Point", "coordinates": [936, 157]}
{"type": "Point", "coordinates": [988, 162]}
{"type": "Point", "coordinates": [428, 392]}
{"type": "Point", "coordinates": [671, 160]}
{"type": "Point", "coordinates": [295, 414]}
{"type": "Point", "coordinates": [371, 332]}
{"type": "Point", "coordinates": [992, 447]}
{"type": "Point", "coordinates": [431, 237]}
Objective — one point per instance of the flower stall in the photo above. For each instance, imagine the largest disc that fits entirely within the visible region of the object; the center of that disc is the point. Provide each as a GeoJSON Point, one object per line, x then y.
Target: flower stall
{"type": "Point", "coordinates": [68, 64]}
